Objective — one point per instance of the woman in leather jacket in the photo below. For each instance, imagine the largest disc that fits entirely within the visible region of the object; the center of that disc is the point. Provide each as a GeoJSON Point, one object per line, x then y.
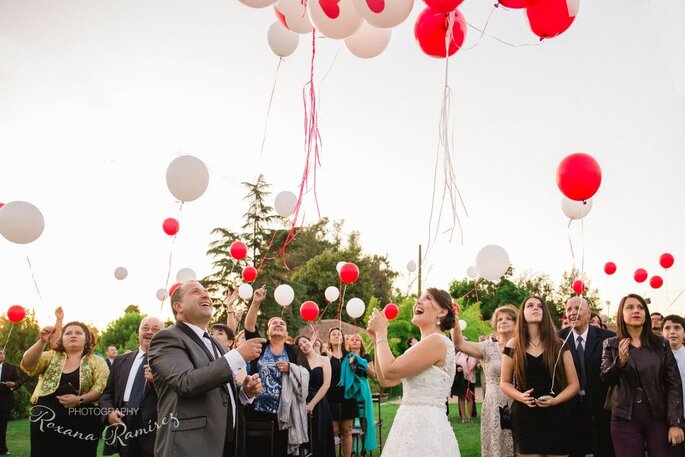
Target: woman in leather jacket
{"type": "Point", "coordinates": [645, 394]}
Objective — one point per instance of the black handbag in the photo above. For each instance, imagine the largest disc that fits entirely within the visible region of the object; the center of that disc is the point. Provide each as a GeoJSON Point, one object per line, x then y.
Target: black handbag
{"type": "Point", "coordinates": [505, 417]}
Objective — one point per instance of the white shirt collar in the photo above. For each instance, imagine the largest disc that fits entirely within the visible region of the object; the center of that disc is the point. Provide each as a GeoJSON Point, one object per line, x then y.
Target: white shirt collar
{"type": "Point", "coordinates": [141, 353]}
{"type": "Point", "coordinates": [584, 335]}
{"type": "Point", "coordinates": [199, 331]}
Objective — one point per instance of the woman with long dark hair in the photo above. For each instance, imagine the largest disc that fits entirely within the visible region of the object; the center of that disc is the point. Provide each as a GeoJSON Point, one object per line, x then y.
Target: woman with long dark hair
{"type": "Point", "coordinates": [539, 375]}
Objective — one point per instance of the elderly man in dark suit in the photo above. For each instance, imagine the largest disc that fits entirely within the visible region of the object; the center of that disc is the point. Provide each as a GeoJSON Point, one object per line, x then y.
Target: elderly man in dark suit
{"type": "Point", "coordinates": [194, 377]}
{"type": "Point", "coordinates": [131, 399]}
{"type": "Point", "coordinates": [591, 429]}
{"type": "Point", "coordinates": [9, 382]}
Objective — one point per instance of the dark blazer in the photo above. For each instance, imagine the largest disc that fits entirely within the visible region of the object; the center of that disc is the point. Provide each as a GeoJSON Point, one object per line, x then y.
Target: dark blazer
{"type": "Point", "coordinates": [596, 390]}
{"type": "Point", "coordinates": [9, 373]}
{"type": "Point", "coordinates": [113, 398]}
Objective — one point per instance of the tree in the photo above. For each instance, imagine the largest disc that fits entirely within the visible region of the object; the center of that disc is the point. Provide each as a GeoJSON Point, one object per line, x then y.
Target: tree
{"type": "Point", "coordinates": [24, 335]}
{"type": "Point", "coordinates": [122, 333]}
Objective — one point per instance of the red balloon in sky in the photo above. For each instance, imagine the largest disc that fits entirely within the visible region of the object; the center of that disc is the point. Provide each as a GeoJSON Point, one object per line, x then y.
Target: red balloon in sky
{"type": "Point", "coordinates": [16, 313]}
{"type": "Point", "coordinates": [173, 288]}
{"type": "Point", "coordinates": [349, 273]}
{"type": "Point", "coordinates": [391, 311]}
{"type": "Point", "coordinates": [549, 18]}
{"type": "Point", "coordinates": [170, 226]}
{"type": "Point", "coordinates": [640, 275]}
{"type": "Point", "coordinates": [1, 204]}
{"type": "Point", "coordinates": [578, 286]}
{"type": "Point", "coordinates": [579, 176]}
{"type": "Point", "coordinates": [656, 281]}
{"type": "Point", "coordinates": [444, 6]}
{"type": "Point", "coordinates": [666, 260]}
{"type": "Point", "coordinates": [430, 31]}
{"type": "Point", "coordinates": [249, 274]}
{"type": "Point", "coordinates": [610, 268]}
{"type": "Point", "coordinates": [238, 250]}
{"type": "Point", "coordinates": [309, 311]}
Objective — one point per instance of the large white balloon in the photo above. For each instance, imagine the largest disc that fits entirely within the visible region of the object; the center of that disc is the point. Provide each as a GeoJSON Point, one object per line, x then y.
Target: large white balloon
{"type": "Point", "coordinates": [284, 295]}
{"type": "Point", "coordinates": [471, 272]}
{"type": "Point", "coordinates": [355, 308]}
{"type": "Point", "coordinates": [245, 291]}
{"type": "Point", "coordinates": [339, 265]}
{"type": "Point", "coordinates": [258, 3]}
{"type": "Point", "coordinates": [282, 41]}
{"type": "Point", "coordinates": [187, 178]}
{"type": "Point", "coordinates": [384, 14]}
{"type": "Point", "coordinates": [462, 324]}
{"type": "Point", "coordinates": [294, 15]}
{"type": "Point", "coordinates": [411, 266]}
{"type": "Point", "coordinates": [185, 274]}
{"type": "Point", "coordinates": [332, 293]}
{"type": "Point", "coordinates": [21, 222]}
{"type": "Point", "coordinates": [368, 41]}
{"type": "Point", "coordinates": [492, 262]}
{"type": "Point", "coordinates": [335, 19]}
{"type": "Point", "coordinates": [120, 273]}
{"type": "Point", "coordinates": [285, 203]}
{"type": "Point", "coordinates": [161, 294]}
{"type": "Point", "coordinates": [575, 209]}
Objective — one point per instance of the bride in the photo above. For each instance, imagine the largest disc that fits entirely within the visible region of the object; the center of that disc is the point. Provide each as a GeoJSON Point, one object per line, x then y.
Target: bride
{"type": "Point", "coordinates": [426, 371]}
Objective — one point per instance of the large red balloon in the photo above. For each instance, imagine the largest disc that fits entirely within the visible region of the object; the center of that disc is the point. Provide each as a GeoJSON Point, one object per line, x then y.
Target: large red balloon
{"type": "Point", "coordinates": [578, 286]}
{"type": "Point", "coordinates": [610, 268]}
{"type": "Point", "coordinates": [430, 31]}
{"type": "Point", "coordinates": [16, 313]}
{"type": "Point", "coordinates": [170, 226]}
{"type": "Point", "coordinates": [444, 6]}
{"type": "Point", "coordinates": [640, 275]}
{"type": "Point", "coordinates": [549, 18]}
{"type": "Point", "coordinates": [249, 274]}
{"type": "Point", "coordinates": [238, 250]}
{"type": "Point", "coordinates": [579, 176]}
{"type": "Point", "coordinates": [391, 311]}
{"type": "Point", "coordinates": [516, 3]}
{"type": "Point", "coordinates": [666, 260]}
{"type": "Point", "coordinates": [349, 273]}
{"type": "Point", "coordinates": [309, 311]}
{"type": "Point", "coordinates": [656, 281]}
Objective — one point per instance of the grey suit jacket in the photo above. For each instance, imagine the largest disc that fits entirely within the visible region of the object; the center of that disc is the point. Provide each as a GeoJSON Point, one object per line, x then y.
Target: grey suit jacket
{"type": "Point", "coordinates": [192, 411]}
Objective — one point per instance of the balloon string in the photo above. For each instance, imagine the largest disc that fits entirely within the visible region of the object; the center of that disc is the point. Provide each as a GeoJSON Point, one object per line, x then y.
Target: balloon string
{"type": "Point", "coordinates": [33, 276]}
{"type": "Point", "coordinates": [482, 32]}
{"type": "Point", "coordinates": [266, 252]}
{"type": "Point", "coordinates": [342, 300]}
{"type": "Point", "coordinates": [539, 43]}
{"type": "Point", "coordinates": [268, 113]}
{"type": "Point", "coordinates": [171, 254]}
{"type": "Point", "coordinates": [8, 338]}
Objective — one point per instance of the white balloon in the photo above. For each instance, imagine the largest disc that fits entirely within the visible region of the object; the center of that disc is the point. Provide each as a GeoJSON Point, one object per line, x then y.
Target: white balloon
{"type": "Point", "coordinates": [120, 273]}
{"type": "Point", "coordinates": [185, 274]}
{"type": "Point", "coordinates": [284, 295]}
{"type": "Point", "coordinates": [385, 14]}
{"type": "Point", "coordinates": [332, 293]}
{"type": "Point", "coordinates": [258, 3]}
{"type": "Point", "coordinates": [337, 19]}
{"type": "Point", "coordinates": [21, 222]}
{"type": "Point", "coordinates": [368, 41]}
{"type": "Point", "coordinates": [245, 291]}
{"type": "Point", "coordinates": [471, 272]}
{"type": "Point", "coordinates": [411, 266]}
{"type": "Point", "coordinates": [575, 209]}
{"type": "Point", "coordinates": [339, 265]}
{"type": "Point", "coordinates": [492, 262]}
{"type": "Point", "coordinates": [161, 294]}
{"type": "Point", "coordinates": [294, 14]}
{"type": "Point", "coordinates": [462, 324]}
{"type": "Point", "coordinates": [282, 41]}
{"type": "Point", "coordinates": [285, 203]}
{"type": "Point", "coordinates": [187, 178]}
{"type": "Point", "coordinates": [355, 308]}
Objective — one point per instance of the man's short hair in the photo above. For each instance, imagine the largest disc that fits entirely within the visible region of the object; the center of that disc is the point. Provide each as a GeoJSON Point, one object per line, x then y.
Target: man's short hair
{"type": "Point", "coordinates": [675, 319]}
{"type": "Point", "coordinates": [230, 334]}
{"type": "Point", "coordinates": [656, 313]}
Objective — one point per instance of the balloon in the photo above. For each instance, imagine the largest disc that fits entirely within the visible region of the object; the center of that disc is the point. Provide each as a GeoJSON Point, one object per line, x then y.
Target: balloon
{"type": "Point", "coordinates": [334, 18]}
{"type": "Point", "coordinates": [238, 250]}
{"type": "Point", "coordinates": [16, 313]}
{"type": "Point", "coordinates": [120, 273]}
{"type": "Point", "coordinates": [309, 311]}
{"type": "Point", "coordinates": [462, 324]}
{"type": "Point", "coordinates": [339, 265]}
{"type": "Point", "coordinates": [391, 311]}
{"type": "Point", "coordinates": [285, 203]}
{"type": "Point", "coordinates": [161, 294]}
{"type": "Point", "coordinates": [332, 293]}
{"type": "Point", "coordinates": [185, 274]}
{"type": "Point", "coordinates": [355, 308]}
{"type": "Point", "coordinates": [492, 262]}
{"type": "Point", "coordinates": [549, 18]}
{"type": "Point", "coordinates": [249, 274]}
{"type": "Point", "coordinates": [656, 281]}
{"type": "Point", "coordinates": [610, 268]}
{"type": "Point", "coordinates": [245, 291]}
{"type": "Point", "coordinates": [471, 272]}
{"type": "Point", "coordinates": [579, 176]}
{"type": "Point", "coordinates": [173, 288]}
{"type": "Point", "coordinates": [411, 266]}
{"type": "Point", "coordinates": [384, 13]}
{"type": "Point", "coordinates": [349, 273]}
{"type": "Point", "coordinates": [21, 222]}
{"type": "Point", "coordinates": [284, 295]}
{"type": "Point", "coordinates": [170, 226]}
{"type": "Point", "coordinates": [444, 6]}
{"type": "Point", "coordinates": [293, 15]}
{"type": "Point", "coordinates": [574, 209]}
{"type": "Point", "coordinates": [666, 260]}
{"type": "Point", "coordinates": [578, 286]}
{"type": "Point", "coordinates": [368, 41]}
{"type": "Point", "coordinates": [430, 31]}
{"type": "Point", "coordinates": [640, 275]}
{"type": "Point", "coordinates": [1, 204]}
{"type": "Point", "coordinates": [258, 3]}
{"type": "Point", "coordinates": [517, 3]}
{"type": "Point", "coordinates": [187, 178]}
{"type": "Point", "coordinates": [282, 41]}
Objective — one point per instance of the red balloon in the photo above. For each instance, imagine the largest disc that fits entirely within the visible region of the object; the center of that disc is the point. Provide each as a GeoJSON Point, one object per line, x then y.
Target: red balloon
{"type": "Point", "coordinates": [430, 31]}
{"type": "Point", "coordinates": [170, 226]}
{"type": "Point", "coordinates": [666, 260]}
{"type": "Point", "coordinates": [173, 288]}
{"type": "Point", "coordinates": [640, 275]}
{"type": "Point", "coordinates": [391, 311]}
{"type": "Point", "coordinates": [610, 268]}
{"type": "Point", "coordinates": [579, 176]}
{"type": "Point", "coordinates": [443, 6]}
{"type": "Point", "coordinates": [309, 311]}
{"type": "Point", "coordinates": [517, 3]}
{"type": "Point", "coordinates": [1, 204]}
{"type": "Point", "coordinates": [349, 273]}
{"type": "Point", "coordinates": [578, 286]}
{"type": "Point", "coordinates": [249, 274]}
{"type": "Point", "coordinates": [549, 18]}
{"type": "Point", "coordinates": [16, 313]}
{"type": "Point", "coordinates": [238, 250]}
{"type": "Point", "coordinates": [656, 281]}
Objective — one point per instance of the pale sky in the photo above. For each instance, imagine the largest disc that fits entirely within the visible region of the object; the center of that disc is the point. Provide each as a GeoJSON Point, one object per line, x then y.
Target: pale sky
{"type": "Point", "coordinates": [97, 97]}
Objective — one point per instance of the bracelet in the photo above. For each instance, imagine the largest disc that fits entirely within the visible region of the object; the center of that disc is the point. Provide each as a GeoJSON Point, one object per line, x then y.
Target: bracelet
{"type": "Point", "coordinates": [380, 341]}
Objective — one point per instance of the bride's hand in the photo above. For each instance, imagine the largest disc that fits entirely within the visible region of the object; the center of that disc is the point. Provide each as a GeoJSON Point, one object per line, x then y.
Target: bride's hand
{"type": "Point", "coordinates": [378, 324]}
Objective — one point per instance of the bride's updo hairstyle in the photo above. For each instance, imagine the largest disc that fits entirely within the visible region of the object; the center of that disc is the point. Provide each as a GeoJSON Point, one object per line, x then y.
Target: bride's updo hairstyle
{"type": "Point", "coordinates": [444, 300]}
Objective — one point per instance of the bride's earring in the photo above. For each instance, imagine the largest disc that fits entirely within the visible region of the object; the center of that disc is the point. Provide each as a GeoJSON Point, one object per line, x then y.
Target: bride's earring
{"type": "Point", "coordinates": [438, 322]}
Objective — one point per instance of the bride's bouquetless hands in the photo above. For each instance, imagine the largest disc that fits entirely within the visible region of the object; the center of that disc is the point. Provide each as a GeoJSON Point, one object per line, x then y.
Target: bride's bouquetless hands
{"type": "Point", "coordinates": [378, 324]}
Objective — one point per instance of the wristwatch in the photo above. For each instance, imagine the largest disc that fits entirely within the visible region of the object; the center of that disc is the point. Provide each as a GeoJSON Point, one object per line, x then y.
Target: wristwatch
{"type": "Point", "coordinates": [80, 400]}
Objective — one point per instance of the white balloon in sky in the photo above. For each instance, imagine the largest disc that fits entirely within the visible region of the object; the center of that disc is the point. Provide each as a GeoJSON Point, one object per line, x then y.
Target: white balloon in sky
{"type": "Point", "coordinates": [355, 308]}
{"type": "Point", "coordinates": [245, 291]}
{"type": "Point", "coordinates": [282, 41]}
{"type": "Point", "coordinates": [462, 324]}
{"type": "Point", "coordinates": [161, 294]}
{"type": "Point", "coordinates": [21, 222]}
{"type": "Point", "coordinates": [284, 295]}
{"type": "Point", "coordinates": [285, 203]}
{"type": "Point", "coordinates": [575, 209]}
{"type": "Point", "coordinates": [411, 266]}
{"type": "Point", "coordinates": [187, 178]}
{"type": "Point", "coordinates": [120, 273]}
{"type": "Point", "coordinates": [492, 262]}
{"type": "Point", "coordinates": [332, 293]}
{"type": "Point", "coordinates": [185, 274]}
{"type": "Point", "coordinates": [339, 265]}
{"type": "Point", "coordinates": [471, 272]}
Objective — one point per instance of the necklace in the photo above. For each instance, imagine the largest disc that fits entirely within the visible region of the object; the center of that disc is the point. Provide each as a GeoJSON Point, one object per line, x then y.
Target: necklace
{"type": "Point", "coordinates": [536, 345]}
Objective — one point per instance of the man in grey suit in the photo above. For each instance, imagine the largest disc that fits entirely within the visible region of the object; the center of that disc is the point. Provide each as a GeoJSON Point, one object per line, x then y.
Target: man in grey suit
{"type": "Point", "coordinates": [194, 379]}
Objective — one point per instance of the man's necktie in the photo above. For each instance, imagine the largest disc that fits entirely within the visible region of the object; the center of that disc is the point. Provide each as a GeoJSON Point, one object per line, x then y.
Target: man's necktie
{"type": "Point", "coordinates": [581, 356]}
{"type": "Point", "coordinates": [139, 383]}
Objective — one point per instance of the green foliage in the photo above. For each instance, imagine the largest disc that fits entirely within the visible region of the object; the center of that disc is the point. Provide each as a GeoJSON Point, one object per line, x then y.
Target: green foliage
{"type": "Point", "coordinates": [24, 335]}
{"type": "Point", "coordinates": [122, 333]}
{"type": "Point", "coordinates": [475, 326]}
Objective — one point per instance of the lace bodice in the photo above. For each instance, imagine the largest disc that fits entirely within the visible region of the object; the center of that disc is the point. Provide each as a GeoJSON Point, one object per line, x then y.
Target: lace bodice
{"type": "Point", "coordinates": [431, 387]}
{"type": "Point", "coordinates": [491, 361]}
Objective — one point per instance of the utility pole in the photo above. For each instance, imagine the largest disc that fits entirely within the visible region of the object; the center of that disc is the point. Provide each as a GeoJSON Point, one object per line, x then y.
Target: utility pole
{"type": "Point", "coordinates": [420, 266]}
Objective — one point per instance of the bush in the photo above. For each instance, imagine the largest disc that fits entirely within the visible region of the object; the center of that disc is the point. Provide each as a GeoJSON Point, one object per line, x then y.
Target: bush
{"type": "Point", "coordinates": [22, 405]}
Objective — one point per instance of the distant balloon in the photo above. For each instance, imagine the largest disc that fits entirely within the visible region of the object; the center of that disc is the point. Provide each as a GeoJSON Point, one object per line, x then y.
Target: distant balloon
{"type": "Point", "coordinates": [161, 294]}
{"type": "Point", "coordinates": [411, 266]}
{"type": "Point", "coordinates": [173, 288]}
{"type": "Point", "coordinates": [21, 222]}
{"type": "Point", "coordinates": [574, 209]}
{"type": "Point", "coordinates": [120, 273]}
{"type": "Point", "coordinates": [185, 274]}
{"type": "Point", "coordinates": [462, 324]}
{"type": "Point", "coordinates": [187, 178]}
{"type": "Point", "coordinates": [666, 260]}
{"type": "Point", "coordinates": [610, 268]}
{"type": "Point", "coordinates": [238, 250]}
{"type": "Point", "coordinates": [284, 295]}
{"type": "Point", "coordinates": [391, 311]}
{"type": "Point", "coordinates": [16, 313]}
{"type": "Point", "coordinates": [170, 226]}
{"type": "Point", "coordinates": [249, 274]}
{"type": "Point", "coordinates": [578, 286]}
{"type": "Point", "coordinates": [332, 293]}
{"type": "Point", "coordinates": [285, 203]}
{"type": "Point", "coordinates": [355, 308]}
{"type": "Point", "coordinates": [656, 281]}
{"type": "Point", "coordinates": [293, 15]}
{"type": "Point", "coordinates": [492, 262]}
{"type": "Point", "coordinates": [640, 275]}
{"type": "Point", "coordinates": [282, 42]}
{"type": "Point", "coordinates": [339, 265]}
{"type": "Point", "coordinates": [309, 310]}
{"type": "Point", "coordinates": [349, 273]}
{"type": "Point", "coordinates": [471, 272]}
{"type": "Point", "coordinates": [245, 291]}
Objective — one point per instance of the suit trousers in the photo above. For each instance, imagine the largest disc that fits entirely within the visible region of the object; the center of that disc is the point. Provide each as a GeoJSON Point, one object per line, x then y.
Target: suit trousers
{"type": "Point", "coordinates": [138, 446]}
{"type": "Point", "coordinates": [4, 418]}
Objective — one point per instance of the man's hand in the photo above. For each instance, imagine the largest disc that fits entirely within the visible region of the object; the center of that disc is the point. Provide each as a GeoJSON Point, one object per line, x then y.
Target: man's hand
{"type": "Point", "coordinates": [252, 386]}
{"type": "Point", "coordinates": [251, 348]}
{"type": "Point", "coordinates": [148, 374]}
{"type": "Point", "coordinates": [259, 295]}
{"type": "Point", "coordinates": [46, 333]}
{"type": "Point", "coordinates": [59, 313]}
{"type": "Point", "coordinates": [114, 418]}
{"type": "Point", "coordinates": [283, 366]}
{"type": "Point", "coordinates": [10, 384]}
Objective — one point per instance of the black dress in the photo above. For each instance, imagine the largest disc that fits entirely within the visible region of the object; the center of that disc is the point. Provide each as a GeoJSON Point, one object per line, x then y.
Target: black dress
{"type": "Point", "coordinates": [341, 407]}
{"type": "Point", "coordinates": [322, 421]}
{"type": "Point", "coordinates": [541, 430]}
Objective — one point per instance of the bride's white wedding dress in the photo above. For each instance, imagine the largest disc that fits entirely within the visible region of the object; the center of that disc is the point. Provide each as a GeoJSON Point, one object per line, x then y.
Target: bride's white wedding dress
{"type": "Point", "coordinates": [421, 427]}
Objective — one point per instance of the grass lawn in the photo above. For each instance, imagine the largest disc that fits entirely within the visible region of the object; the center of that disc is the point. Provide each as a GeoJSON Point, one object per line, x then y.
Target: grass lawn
{"type": "Point", "coordinates": [468, 435]}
